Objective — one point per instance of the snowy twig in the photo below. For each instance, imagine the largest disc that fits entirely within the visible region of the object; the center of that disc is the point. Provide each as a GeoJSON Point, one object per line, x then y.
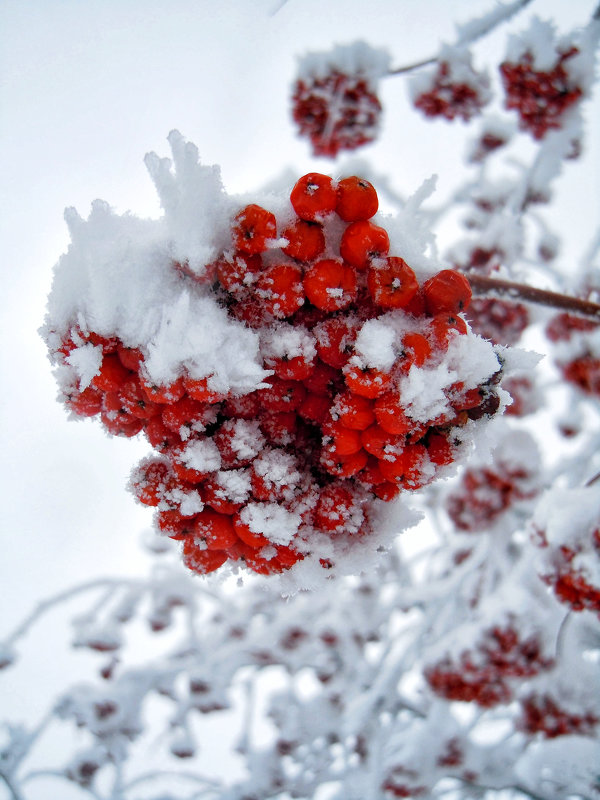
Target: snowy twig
{"type": "Point", "coordinates": [471, 32]}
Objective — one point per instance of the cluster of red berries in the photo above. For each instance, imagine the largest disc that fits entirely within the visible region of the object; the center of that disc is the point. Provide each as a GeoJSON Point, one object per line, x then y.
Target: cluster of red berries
{"type": "Point", "coordinates": [571, 571]}
{"type": "Point", "coordinates": [484, 494]}
{"type": "Point", "coordinates": [455, 90]}
{"type": "Point", "coordinates": [541, 714]}
{"type": "Point", "coordinates": [583, 368]}
{"type": "Point", "coordinates": [540, 97]}
{"type": "Point", "coordinates": [336, 111]}
{"type": "Point", "coordinates": [498, 320]}
{"type": "Point", "coordinates": [485, 676]}
{"type": "Point", "coordinates": [258, 478]}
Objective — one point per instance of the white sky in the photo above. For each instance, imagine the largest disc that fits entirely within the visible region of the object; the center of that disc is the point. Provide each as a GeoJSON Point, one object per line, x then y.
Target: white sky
{"type": "Point", "coordinates": [87, 88]}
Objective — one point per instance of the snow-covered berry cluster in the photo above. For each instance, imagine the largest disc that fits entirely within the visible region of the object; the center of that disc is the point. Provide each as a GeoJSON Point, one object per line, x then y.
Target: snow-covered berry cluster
{"type": "Point", "coordinates": [568, 537]}
{"type": "Point", "coordinates": [335, 102]}
{"type": "Point", "coordinates": [542, 714]}
{"type": "Point", "coordinates": [485, 493]}
{"type": "Point", "coordinates": [577, 350]}
{"type": "Point", "coordinates": [538, 79]}
{"type": "Point", "coordinates": [290, 386]}
{"type": "Point", "coordinates": [453, 89]}
{"type": "Point", "coordinates": [484, 674]}
{"type": "Point", "coordinates": [498, 320]}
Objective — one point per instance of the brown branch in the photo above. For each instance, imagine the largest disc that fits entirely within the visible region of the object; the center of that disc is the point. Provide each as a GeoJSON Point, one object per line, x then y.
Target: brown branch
{"type": "Point", "coordinates": [483, 286]}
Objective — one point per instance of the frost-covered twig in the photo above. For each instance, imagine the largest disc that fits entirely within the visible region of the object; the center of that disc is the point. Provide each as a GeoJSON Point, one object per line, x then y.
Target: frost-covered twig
{"type": "Point", "coordinates": [470, 32]}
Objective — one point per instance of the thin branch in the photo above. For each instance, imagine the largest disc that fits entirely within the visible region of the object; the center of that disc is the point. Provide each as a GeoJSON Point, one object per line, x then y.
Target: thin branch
{"type": "Point", "coordinates": [14, 793]}
{"type": "Point", "coordinates": [484, 286]}
{"type": "Point", "coordinates": [471, 32]}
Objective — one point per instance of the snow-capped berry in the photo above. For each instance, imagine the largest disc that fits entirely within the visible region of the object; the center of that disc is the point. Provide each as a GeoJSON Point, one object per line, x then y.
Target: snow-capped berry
{"type": "Point", "coordinates": [215, 530]}
{"type": "Point", "coordinates": [357, 199]}
{"type": "Point", "coordinates": [453, 89]}
{"type": "Point", "coordinates": [280, 290]}
{"type": "Point", "coordinates": [392, 283]}
{"type": "Point", "coordinates": [362, 242]}
{"type": "Point", "coordinates": [252, 228]}
{"type": "Point", "coordinates": [330, 285]}
{"type": "Point", "coordinates": [202, 560]}
{"type": "Point", "coordinates": [314, 196]}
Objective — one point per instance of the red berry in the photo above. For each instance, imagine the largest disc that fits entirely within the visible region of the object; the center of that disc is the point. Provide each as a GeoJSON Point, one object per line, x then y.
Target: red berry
{"type": "Point", "coordinates": [344, 441]}
{"type": "Point", "coordinates": [237, 273]}
{"type": "Point", "coordinates": [392, 284]}
{"type": "Point", "coordinates": [215, 530]}
{"type": "Point", "coordinates": [335, 338]}
{"type": "Point", "coordinates": [314, 196]}
{"type": "Point", "coordinates": [447, 292]}
{"type": "Point", "coordinates": [162, 393]}
{"type": "Point", "coordinates": [380, 443]}
{"type": "Point", "coordinates": [252, 227]}
{"type": "Point", "coordinates": [202, 561]}
{"type": "Point", "coordinates": [366, 381]}
{"type": "Point", "coordinates": [330, 285]}
{"type": "Point", "coordinates": [86, 403]}
{"type": "Point", "coordinates": [357, 199]}
{"type": "Point", "coordinates": [343, 466]}
{"type": "Point", "coordinates": [354, 411]}
{"type": "Point", "coordinates": [280, 289]}
{"type": "Point", "coordinates": [111, 375]}
{"type": "Point", "coordinates": [199, 390]}
{"type": "Point", "coordinates": [362, 242]}
{"type": "Point", "coordinates": [148, 481]}
{"type": "Point", "coordinates": [306, 240]}
{"type": "Point", "coordinates": [335, 508]}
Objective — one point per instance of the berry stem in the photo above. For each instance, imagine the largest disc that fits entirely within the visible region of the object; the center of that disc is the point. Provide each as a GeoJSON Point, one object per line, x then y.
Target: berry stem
{"type": "Point", "coordinates": [484, 286]}
{"type": "Point", "coordinates": [470, 32]}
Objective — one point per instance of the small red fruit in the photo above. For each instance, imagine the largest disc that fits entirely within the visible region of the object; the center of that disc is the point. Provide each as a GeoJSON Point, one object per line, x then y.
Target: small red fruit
{"type": "Point", "coordinates": [306, 240]}
{"type": "Point", "coordinates": [357, 199]}
{"type": "Point", "coordinates": [330, 285]}
{"type": "Point", "coordinates": [252, 227]}
{"type": "Point", "coordinates": [314, 196]}
{"type": "Point", "coordinates": [392, 284]}
{"type": "Point", "coordinates": [447, 292]}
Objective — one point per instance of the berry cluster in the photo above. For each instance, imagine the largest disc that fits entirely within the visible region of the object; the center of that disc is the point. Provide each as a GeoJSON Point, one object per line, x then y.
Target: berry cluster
{"type": "Point", "coordinates": [541, 714]}
{"type": "Point", "coordinates": [498, 320]}
{"type": "Point", "coordinates": [336, 112]}
{"type": "Point", "coordinates": [453, 90]}
{"type": "Point", "coordinates": [579, 355]}
{"type": "Point", "coordinates": [486, 493]}
{"type": "Point", "coordinates": [291, 469]}
{"type": "Point", "coordinates": [484, 675]}
{"type": "Point", "coordinates": [541, 97]}
{"type": "Point", "coordinates": [571, 570]}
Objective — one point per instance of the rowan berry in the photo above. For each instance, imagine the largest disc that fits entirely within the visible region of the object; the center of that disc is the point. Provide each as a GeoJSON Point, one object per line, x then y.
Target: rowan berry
{"type": "Point", "coordinates": [380, 443]}
{"type": "Point", "coordinates": [390, 414]}
{"type": "Point", "coordinates": [334, 508]}
{"type": "Point", "coordinates": [199, 389]}
{"type": "Point", "coordinates": [131, 357]}
{"type": "Point", "coordinates": [405, 468]}
{"type": "Point", "coordinates": [162, 393]}
{"type": "Point", "coordinates": [306, 240]}
{"type": "Point", "coordinates": [392, 283]}
{"type": "Point", "coordinates": [174, 525]}
{"type": "Point", "coordinates": [447, 292]}
{"type": "Point", "coordinates": [111, 375]}
{"type": "Point", "coordinates": [215, 530]}
{"type": "Point", "coordinates": [343, 466]}
{"type": "Point", "coordinates": [356, 199]}
{"type": "Point", "coordinates": [354, 411]}
{"type": "Point", "coordinates": [248, 536]}
{"type": "Point", "coordinates": [314, 196]}
{"type": "Point", "coordinates": [315, 408]}
{"type": "Point", "coordinates": [252, 228]}
{"type": "Point", "coordinates": [148, 481]}
{"type": "Point", "coordinates": [280, 290]}
{"type": "Point", "coordinates": [362, 242]}
{"type": "Point", "coordinates": [366, 381]}
{"type": "Point", "coordinates": [345, 441]}
{"type": "Point", "coordinates": [134, 400]}
{"type": "Point", "coordinates": [330, 285]}
{"type": "Point", "coordinates": [335, 337]}
{"type": "Point", "coordinates": [238, 272]}
{"type": "Point", "coordinates": [201, 560]}
{"type": "Point", "coordinates": [85, 403]}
